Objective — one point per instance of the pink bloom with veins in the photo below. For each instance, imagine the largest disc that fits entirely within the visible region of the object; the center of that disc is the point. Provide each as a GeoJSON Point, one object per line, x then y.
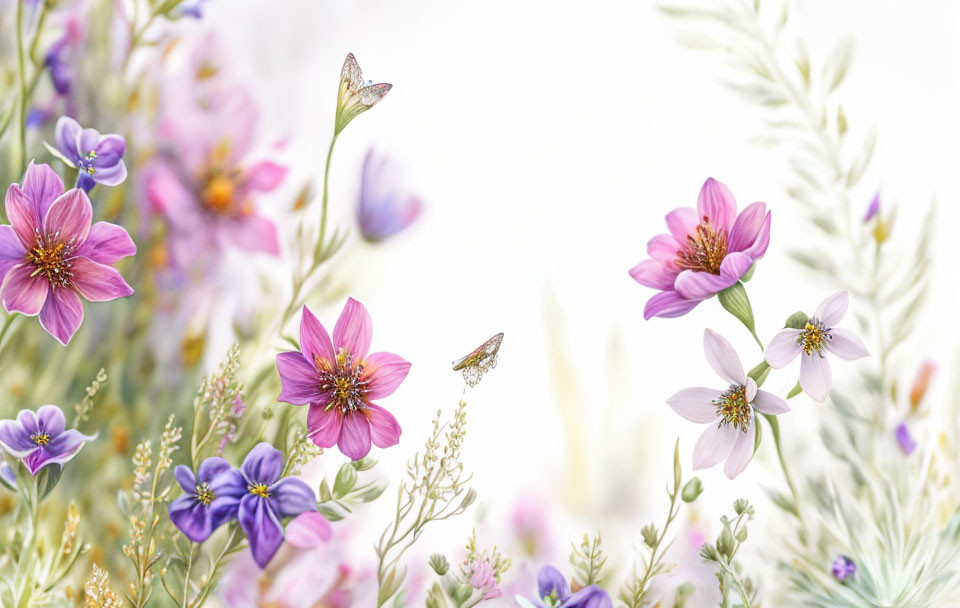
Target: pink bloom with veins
{"type": "Point", "coordinates": [50, 255]}
{"type": "Point", "coordinates": [708, 250]}
{"type": "Point", "coordinates": [339, 380]}
{"type": "Point", "coordinates": [813, 342]}
{"type": "Point", "coordinates": [730, 412]}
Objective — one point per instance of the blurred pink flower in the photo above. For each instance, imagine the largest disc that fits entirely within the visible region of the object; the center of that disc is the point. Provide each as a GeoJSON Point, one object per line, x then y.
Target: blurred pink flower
{"type": "Point", "coordinates": [708, 250]}
{"type": "Point", "coordinates": [730, 412]}
{"type": "Point", "coordinates": [483, 579]}
{"type": "Point", "coordinates": [530, 527]}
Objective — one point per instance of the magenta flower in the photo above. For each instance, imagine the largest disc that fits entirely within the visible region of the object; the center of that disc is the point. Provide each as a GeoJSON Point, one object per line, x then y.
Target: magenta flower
{"type": "Point", "coordinates": [812, 343]}
{"type": "Point", "coordinates": [41, 438]}
{"type": "Point", "coordinates": [339, 381]}
{"type": "Point", "coordinates": [50, 255]}
{"type": "Point", "coordinates": [384, 209]}
{"type": "Point", "coordinates": [730, 412]}
{"type": "Point", "coordinates": [708, 250]}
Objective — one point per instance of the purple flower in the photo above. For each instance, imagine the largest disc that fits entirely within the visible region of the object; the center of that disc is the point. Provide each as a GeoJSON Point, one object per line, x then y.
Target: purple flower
{"type": "Point", "coordinates": [267, 499]}
{"type": "Point", "coordinates": [383, 209]}
{"type": "Point", "coordinates": [61, 57]}
{"type": "Point", "coordinates": [873, 209]}
{"type": "Point", "coordinates": [339, 380]}
{"type": "Point", "coordinates": [812, 343]}
{"type": "Point", "coordinates": [708, 250]}
{"type": "Point", "coordinates": [40, 438]}
{"type": "Point", "coordinates": [210, 499]}
{"type": "Point", "coordinates": [907, 443]}
{"type": "Point", "coordinates": [191, 8]}
{"type": "Point", "coordinates": [843, 568]}
{"type": "Point", "coordinates": [554, 592]}
{"type": "Point", "coordinates": [730, 413]}
{"type": "Point", "coordinates": [98, 158]}
{"type": "Point", "coordinates": [50, 255]}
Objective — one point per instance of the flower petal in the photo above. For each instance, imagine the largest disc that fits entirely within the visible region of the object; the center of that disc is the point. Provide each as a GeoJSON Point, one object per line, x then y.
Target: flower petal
{"type": "Point", "coordinates": [61, 449]}
{"type": "Point", "coordinates": [314, 340]}
{"type": "Point", "coordinates": [252, 233]}
{"type": "Point", "coordinates": [291, 497]}
{"type": "Point", "coordinates": [697, 285]}
{"type": "Point", "coordinates": [723, 358]}
{"type": "Point", "coordinates": [42, 186]}
{"type": "Point", "coordinates": [551, 581]}
{"type": "Point", "coordinates": [106, 243]}
{"type": "Point", "coordinates": [384, 428]}
{"type": "Point", "coordinates": [67, 132]}
{"type": "Point", "coordinates": [716, 203]}
{"type": "Point", "coordinates": [11, 250]}
{"type": "Point", "coordinates": [23, 293]}
{"type": "Point", "coordinates": [742, 450]}
{"type": "Point", "coordinates": [714, 445]}
{"type": "Point", "coordinates": [298, 380]}
{"type": "Point", "coordinates": [50, 420]}
{"type": "Point", "coordinates": [385, 372]}
{"type": "Point", "coordinates": [110, 150]}
{"type": "Point", "coordinates": [783, 348]}
{"type": "Point", "coordinates": [846, 344]}
{"type": "Point", "coordinates": [815, 376]}
{"type": "Point", "coordinates": [833, 308]}
{"type": "Point", "coordinates": [354, 330]}
{"type": "Point", "coordinates": [192, 518]}
{"type": "Point", "coordinates": [682, 222]}
{"type": "Point", "coordinates": [668, 304]}
{"type": "Point", "coordinates": [186, 478]}
{"type": "Point", "coordinates": [354, 439]}
{"type": "Point", "coordinates": [759, 247]}
{"type": "Point", "coordinates": [69, 217]}
{"type": "Point", "coordinates": [323, 425]}
{"type": "Point", "coordinates": [113, 175]}
{"type": "Point", "coordinates": [263, 464]}
{"type": "Point", "coordinates": [768, 403]}
{"type": "Point", "coordinates": [263, 529]}
{"type": "Point", "coordinates": [663, 248]}
{"type": "Point", "coordinates": [15, 439]}
{"type": "Point", "coordinates": [309, 530]}
{"type": "Point", "coordinates": [265, 176]}
{"type": "Point", "coordinates": [22, 215]}
{"type": "Point", "coordinates": [98, 282]}
{"type": "Point", "coordinates": [695, 404]}
{"type": "Point", "coordinates": [651, 273]}
{"type": "Point", "coordinates": [746, 228]}
{"type": "Point", "coordinates": [211, 467]}
{"type": "Point", "coordinates": [62, 314]}
{"type": "Point", "coordinates": [750, 389]}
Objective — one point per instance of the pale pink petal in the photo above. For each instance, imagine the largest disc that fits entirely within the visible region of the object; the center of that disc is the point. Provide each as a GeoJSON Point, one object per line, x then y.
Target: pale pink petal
{"type": "Point", "coordinates": [768, 403]}
{"type": "Point", "coordinates": [714, 445]}
{"type": "Point", "coordinates": [69, 217]}
{"type": "Point", "coordinates": [107, 243]}
{"type": "Point", "coordinates": [702, 285]}
{"type": "Point", "coordinates": [717, 204]}
{"type": "Point", "coordinates": [815, 376]}
{"type": "Point", "coordinates": [62, 314]}
{"type": "Point", "coordinates": [833, 308]}
{"type": "Point", "coordinates": [314, 340]}
{"type": "Point", "coordinates": [22, 215]}
{"type": "Point", "coordinates": [11, 250]}
{"type": "Point", "coordinates": [167, 194]}
{"type": "Point", "coordinates": [682, 222]}
{"type": "Point", "coordinates": [668, 304]}
{"type": "Point", "coordinates": [783, 348]}
{"type": "Point", "coordinates": [846, 344]}
{"type": "Point", "coordinates": [309, 530]}
{"type": "Point", "coordinates": [323, 425]}
{"type": "Point", "coordinates": [22, 293]}
{"type": "Point", "coordinates": [98, 282]}
{"type": "Point", "coordinates": [42, 186]}
{"type": "Point", "coordinates": [695, 404]}
{"type": "Point", "coordinates": [252, 233]}
{"type": "Point", "coordinates": [652, 273]}
{"type": "Point", "coordinates": [385, 372]}
{"type": "Point", "coordinates": [384, 428]}
{"type": "Point", "coordinates": [354, 330]}
{"type": "Point", "coordinates": [746, 228]}
{"type": "Point", "coordinates": [354, 439]}
{"type": "Point", "coordinates": [663, 248]}
{"type": "Point", "coordinates": [265, 176]}
{"type": "Point", "coordinates": [723, 358]}
{"type": "Point", "coordinates": [750, 389]}
{"type": "Point", "coordinates": [742, 451]}
{"type": "Point", "coordinates": [759, 247]}
{"type": "Point", "coordinates": [298, 380]}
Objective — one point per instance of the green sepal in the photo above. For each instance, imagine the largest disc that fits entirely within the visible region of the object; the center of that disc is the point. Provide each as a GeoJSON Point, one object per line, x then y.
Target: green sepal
{"type": "Point", "coordinates": [796, 390]}
{"type": "Point", "coordinates": [735, 301]}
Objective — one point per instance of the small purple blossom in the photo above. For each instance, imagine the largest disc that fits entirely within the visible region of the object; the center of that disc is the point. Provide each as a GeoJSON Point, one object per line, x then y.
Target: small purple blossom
{"type": "Point", "coordinates": [554, 592]}
{"type": "Point", "coordinates": [41, 438]}
{"type": "Point", "coordinates": [98, 158]}
{"type": "Point", "coordinates": [843, 568]}
{"type": "Point", "coordinates": [873, 209]}
{"type": "Point", "coordinates": [907, 443]}
{"type": "Point", "coordinates": [210, 498]}
{"type": "Point", "coordinates": [384, 209]}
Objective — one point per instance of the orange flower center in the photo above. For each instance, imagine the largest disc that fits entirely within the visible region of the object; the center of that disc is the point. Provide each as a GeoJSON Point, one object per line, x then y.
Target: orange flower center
{"type": "Point", "coordinates": [703, 250]}
{"type": "Point", "coordinates": [260, 490]}
{"type": "Point", "coordinates": [345, 384]}
{"type": "Point", "coordinates": [732, 407]}
{"type": "Point", "coordinates": [40, 438]}
{"type": "Point", "coordinates": [218, 194]}
{"type": "Point", "coordinates": [52, 259]}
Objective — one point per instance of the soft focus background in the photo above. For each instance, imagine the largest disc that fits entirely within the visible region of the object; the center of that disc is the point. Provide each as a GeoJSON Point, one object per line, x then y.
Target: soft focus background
{"type": "Point", "coordinates": [548, 139]}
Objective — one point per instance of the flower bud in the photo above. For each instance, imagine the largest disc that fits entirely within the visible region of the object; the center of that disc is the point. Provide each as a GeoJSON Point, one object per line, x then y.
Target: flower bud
{"type": "Point", "coordinates": [725, 542]}
{"type": "Point", "coordinates": [797, 320]}
{"type": "Point", "coordinates": [921, 382]}
{"type": "Point", "coordinates": [649, 534]}
{"type": "Point", "coordinates": [439, 564]}
{"type": "Point", "coordinates": [692, 490]}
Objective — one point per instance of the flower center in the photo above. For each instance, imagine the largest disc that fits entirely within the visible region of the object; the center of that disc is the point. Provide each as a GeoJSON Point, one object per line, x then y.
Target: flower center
{"type": "Point", "coordinates": [704, 250]}
{"type": "Point", "coordinates": [732, 407]}
{"type": "Point", "coordinates": [204, 493]}
{"type": "Point", "coordinates": [86, 162]}
{"type": "Point", "coordinates": [345, 385]}
{"type": "Point", "coordinates": [52, 258]}
{"type": "Point", "coordinates": [218, 194]}
{"type": "Point", "coordinates": [40, 438]}
{"type": "Point", "coordinates": [814, 337]}
{"type": "Point", "coordinates": [260, 490]}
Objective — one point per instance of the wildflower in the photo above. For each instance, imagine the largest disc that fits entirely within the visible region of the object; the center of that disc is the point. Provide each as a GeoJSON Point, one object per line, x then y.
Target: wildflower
{"type": "Point", "coordinates": [40, 438]}
{"type": "Point", "coordinates": [383, 210]}
{"type": "Point", "coordinates": [873, 209]}
{"type": "Point", "coordinates": [339, 380]}
{"type": "Point", "coordinates": [483, 579]}
{"type": "Point", "coordinates": [730, 412]}
{"type": "Point", "coordinates": [843, 568]}
{"type": "Point", "coordinates": [708, 250]}
{"type": "Point", "coordinates": [98, 158]}
{"type": "Point", "coordinates": [554, 592]}
{"type": "Point", "coordinates": [907, 443]}
{"type": "Point", "coordinates": [921, 383]}
{"type": "Point", "coordinates": [50, 255]}
{"type": "Point", "coordinates": [61, 57]}
{"type": "Point", "coordinates": [210, 499]}
{"type": "Point", "coordinates": [309, 530]}
{"type": "Point", "coordinates": [267, 499]}
{"type": "Point", "coordinates": [355, 96]}
{"type": "Point", "coordinates": [812, 342]}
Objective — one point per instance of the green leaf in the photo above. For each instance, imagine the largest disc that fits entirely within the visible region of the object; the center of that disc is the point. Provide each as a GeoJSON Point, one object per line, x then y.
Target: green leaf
{"type": "Point", "coordinates": [735, 301]}
{"type": "Point", "coordinates": [760, 372]}
{"type": "Point", "coordinates": [796, 390]}
{"type": "Point", "coordinates": [346, 479]}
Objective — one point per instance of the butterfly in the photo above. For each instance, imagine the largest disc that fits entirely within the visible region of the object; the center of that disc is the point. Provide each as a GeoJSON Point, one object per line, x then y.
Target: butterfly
{"type": "Point", "coordinates": [480, 361]}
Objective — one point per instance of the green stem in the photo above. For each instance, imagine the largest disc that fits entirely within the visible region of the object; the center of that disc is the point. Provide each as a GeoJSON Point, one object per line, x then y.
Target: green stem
{"type": "Point", "coordinates": [22, 79]}
{"type": "Point", "coordinates": [323, 202]}
{"type": "Point", "coordinates": [775, 429]}
{"type": "Point", "coordinates": [186, 577]}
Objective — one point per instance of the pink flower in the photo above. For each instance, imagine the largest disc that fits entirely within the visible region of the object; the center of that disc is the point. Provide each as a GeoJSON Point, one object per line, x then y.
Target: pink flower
{"type": "Point", "coordinates": [730, 412]}
{"type": "Point", "coordinates": [339, 380]}
{"type": "Point", "coordinates": [50, 255]}
{"type": "Point", "coordinates": [483, 578]}
{"type": "Point", "coordinates": [708, 250]}
{"type": "Point", "coordinates": [813, 341]}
